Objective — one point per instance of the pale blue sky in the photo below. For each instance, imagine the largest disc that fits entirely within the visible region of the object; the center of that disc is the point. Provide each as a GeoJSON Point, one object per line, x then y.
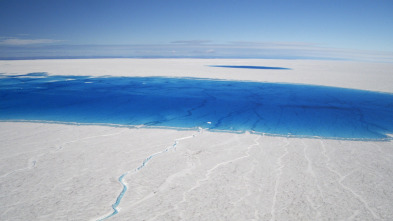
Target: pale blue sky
{"type": "Point", "coordinates": [197, 28]}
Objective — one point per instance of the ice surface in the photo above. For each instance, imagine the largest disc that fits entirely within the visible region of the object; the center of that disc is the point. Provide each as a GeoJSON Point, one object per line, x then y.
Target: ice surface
{"type": "Point", "coordinates": [66, 172]}
{"type": "Point", "coordinates": [71, 172]}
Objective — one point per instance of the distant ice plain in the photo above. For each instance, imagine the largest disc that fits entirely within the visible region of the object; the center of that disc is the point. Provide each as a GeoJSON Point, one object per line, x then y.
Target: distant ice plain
{"type": "Point", "coordinates": [69, 172]}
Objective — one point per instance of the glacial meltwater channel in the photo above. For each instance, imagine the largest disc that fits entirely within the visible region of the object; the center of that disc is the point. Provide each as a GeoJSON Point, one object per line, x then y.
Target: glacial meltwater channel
{"type": "Point", "coordinates": [271, 108]}
{"type": "Point", "coordinates": [118, 199]}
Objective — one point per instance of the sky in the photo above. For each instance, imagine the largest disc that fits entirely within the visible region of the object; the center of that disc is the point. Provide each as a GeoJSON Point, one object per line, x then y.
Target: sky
{"type": "Point", "coordinates": [317, 29]}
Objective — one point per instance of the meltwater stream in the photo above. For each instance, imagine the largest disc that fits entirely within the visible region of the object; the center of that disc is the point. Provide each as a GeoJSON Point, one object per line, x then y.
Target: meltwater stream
{"type": "Point", "coordinates": [140, 167]}
{"type": "Point", "coordinates": [238, 106]}
{"type": "Point", "coordinates": [118, 199]}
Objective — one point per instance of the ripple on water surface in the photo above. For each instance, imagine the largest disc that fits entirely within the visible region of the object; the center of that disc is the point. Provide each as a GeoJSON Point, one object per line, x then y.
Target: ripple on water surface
{"type": "Point", "coordinates": [272, 108]}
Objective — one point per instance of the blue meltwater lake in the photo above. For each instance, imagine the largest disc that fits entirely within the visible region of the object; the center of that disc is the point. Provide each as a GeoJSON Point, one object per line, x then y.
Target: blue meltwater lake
{"type": "Point", "coordinates": [238, 106]}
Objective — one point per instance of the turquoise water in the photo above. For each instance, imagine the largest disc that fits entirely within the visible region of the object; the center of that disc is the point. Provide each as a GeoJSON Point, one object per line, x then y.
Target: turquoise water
{"type": "Point", "coordinates": [271, 108]}
{"type": "Point", "coordinates": [118, 199]}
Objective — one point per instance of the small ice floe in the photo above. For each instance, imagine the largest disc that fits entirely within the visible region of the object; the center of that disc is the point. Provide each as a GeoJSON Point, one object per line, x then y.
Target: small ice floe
{"type": "Point", "coordinates": [88, 82]}
{"type": "Point", "coordinates": [209, 122]}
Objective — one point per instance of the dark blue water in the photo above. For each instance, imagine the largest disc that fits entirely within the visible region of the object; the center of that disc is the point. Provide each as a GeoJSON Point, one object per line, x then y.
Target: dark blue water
{"type": "Point", "coordinates": [282, 109]}
{"type": "Point", "coordinates": [249, 67]}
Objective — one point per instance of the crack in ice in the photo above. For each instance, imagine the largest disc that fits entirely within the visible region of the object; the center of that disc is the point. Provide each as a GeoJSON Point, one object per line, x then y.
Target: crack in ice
{"type": "Point", "coordinates": [310, 169]}
{"type": "Point", "coordinates": [144, 163]}
{"type": "Point", "coordinates": [33, 161]}
{"type": "Point", "coordinates": [208, 173]}
{"type": "Point", "coordinates": [118, 199]}
{"type": "Point", "coordinates": [341, 178]}
{"type": "Point", "coordinates": [279, 173]}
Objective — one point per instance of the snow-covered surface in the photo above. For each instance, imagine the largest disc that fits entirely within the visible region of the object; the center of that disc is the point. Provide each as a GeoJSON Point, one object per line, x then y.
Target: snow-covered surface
{"type": "Point", "coordinates": [65, 172]}
{"type": "Point", "coordinates": [71, 172]}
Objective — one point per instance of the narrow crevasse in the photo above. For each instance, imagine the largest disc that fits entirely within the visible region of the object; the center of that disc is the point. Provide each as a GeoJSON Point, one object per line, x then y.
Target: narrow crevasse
{"type": "Point", "coordinates": [118, 199]}
{"type": "Point", "coordinates": [115, 206]}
